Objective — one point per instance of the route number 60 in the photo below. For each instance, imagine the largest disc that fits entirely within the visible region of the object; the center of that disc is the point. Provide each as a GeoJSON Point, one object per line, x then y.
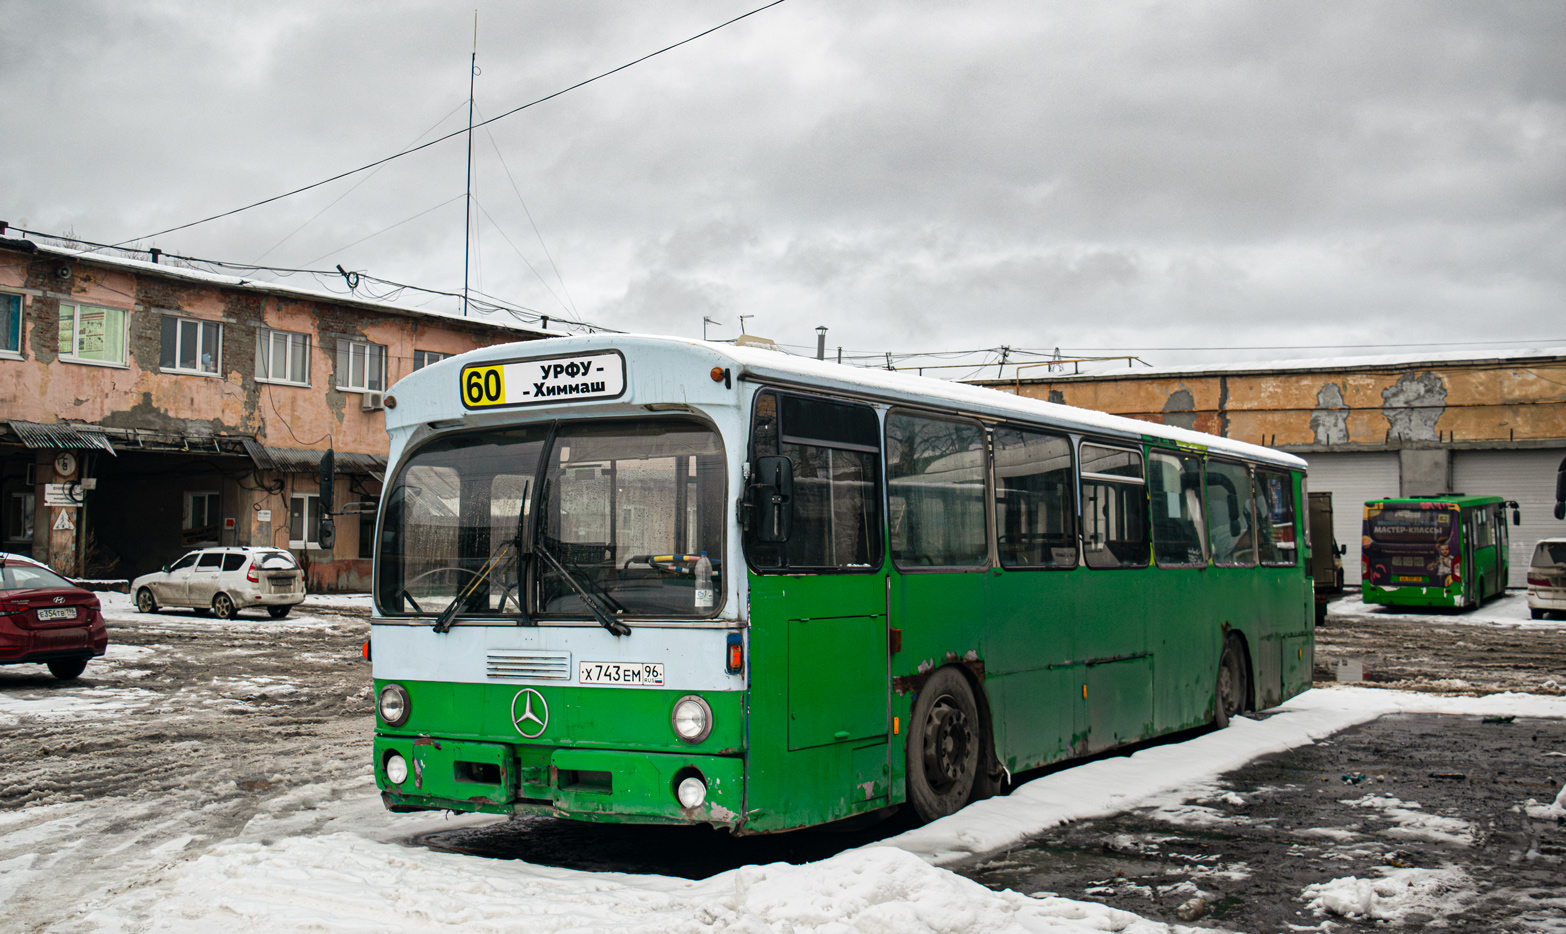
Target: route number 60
{"type": "Point", "coordinates": [484, 385]}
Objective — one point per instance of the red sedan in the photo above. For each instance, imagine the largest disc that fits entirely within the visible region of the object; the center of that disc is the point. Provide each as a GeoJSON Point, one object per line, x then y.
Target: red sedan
{"type": "Point", "coordinates": [47, 620]}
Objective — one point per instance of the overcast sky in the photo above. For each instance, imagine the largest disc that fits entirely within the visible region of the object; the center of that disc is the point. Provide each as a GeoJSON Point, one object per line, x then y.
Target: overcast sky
{"type": "Point", "coordinates": [916, 176]}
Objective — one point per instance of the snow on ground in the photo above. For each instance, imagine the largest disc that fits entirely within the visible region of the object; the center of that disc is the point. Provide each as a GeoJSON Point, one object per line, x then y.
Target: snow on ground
{"type": "Point", "coordinates": [1435, 893]}
{"type": "Point", "coordinates": [1109, 786]}
{"type": "Point", "coordinates": [105, 699]}
{"type": "Point", "coordinates": [1509, 610]}
{"type": "Point", "coordinates": [356, 874]}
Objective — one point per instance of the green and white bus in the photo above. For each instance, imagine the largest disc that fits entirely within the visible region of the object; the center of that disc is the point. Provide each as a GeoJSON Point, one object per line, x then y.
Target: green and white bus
{"type": "Point", "coordinates": [1448, 551]}
{"type": "Point", "coordinates": [641, 579]}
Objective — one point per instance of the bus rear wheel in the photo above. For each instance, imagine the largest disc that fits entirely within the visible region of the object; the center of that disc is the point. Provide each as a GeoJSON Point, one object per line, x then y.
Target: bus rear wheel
{"type": "Point", "coordinates": [1229, 698]}
{"type": "Point", "coordinates": [944, 746]}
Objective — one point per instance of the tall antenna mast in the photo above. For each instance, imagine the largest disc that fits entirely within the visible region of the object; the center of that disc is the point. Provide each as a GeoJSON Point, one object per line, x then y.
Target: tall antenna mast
{"type": "Point", "coordinates": [467, 228]}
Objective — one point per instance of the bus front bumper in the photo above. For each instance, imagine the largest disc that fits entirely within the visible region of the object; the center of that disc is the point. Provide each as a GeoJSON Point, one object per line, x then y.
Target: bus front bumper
{"type": "Point", "coordinates": [607, 785]}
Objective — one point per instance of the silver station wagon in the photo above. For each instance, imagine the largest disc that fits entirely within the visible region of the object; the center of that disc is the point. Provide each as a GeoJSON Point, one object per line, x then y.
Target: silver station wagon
{"type": "Point", "coordinates": [226, 580]}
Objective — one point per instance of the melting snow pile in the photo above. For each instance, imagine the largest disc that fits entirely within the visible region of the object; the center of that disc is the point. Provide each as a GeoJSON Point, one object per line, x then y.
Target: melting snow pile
{"type": "Point", "coordinates": [1396, 896]}
{"type": "Point", "coordinates": [1415, 824]}
{"type": "Point", "coordinates": [1556, 811]}
{"type": "Point", "coordinates": [343, 882]}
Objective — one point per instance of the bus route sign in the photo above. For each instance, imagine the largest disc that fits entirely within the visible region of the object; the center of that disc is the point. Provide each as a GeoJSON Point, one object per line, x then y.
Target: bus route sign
{"type": "Point", "coordinates": [540, 381]}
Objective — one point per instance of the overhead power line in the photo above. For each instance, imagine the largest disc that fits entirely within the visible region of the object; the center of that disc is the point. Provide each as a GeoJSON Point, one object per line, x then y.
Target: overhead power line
{"type": "Point", "coordinates": [457, 133]}
{"type": "Point", "coordinates": [360, 285]}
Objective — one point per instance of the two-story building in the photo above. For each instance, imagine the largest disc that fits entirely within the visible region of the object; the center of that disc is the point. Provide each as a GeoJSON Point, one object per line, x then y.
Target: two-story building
{"type": "Point", "coordinates": [148, 408]}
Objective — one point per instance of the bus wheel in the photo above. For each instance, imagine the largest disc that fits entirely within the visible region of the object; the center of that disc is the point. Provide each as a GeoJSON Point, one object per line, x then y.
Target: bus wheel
{"type": "Point", "coordinates": [1229, 698]}
{"type": "Point", "coordinates": [943, 746]}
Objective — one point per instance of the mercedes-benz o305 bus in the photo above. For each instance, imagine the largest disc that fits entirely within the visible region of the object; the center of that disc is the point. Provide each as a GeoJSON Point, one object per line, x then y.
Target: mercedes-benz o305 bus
{"type": "Point", "coordinates": [1435, 550]}
{"type": "Point", "coordinates": [641, 579]}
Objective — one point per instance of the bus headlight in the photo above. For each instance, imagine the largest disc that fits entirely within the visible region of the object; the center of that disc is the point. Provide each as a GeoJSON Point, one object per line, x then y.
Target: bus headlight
{"type": "Point", "coordinates": [394, 705]}
{"type": "Point", "coordinates": [692, 719]}
{"type": "Point", "coordinates": [692, 792]}
{"type": "Point", "coordinates": [396, 769]}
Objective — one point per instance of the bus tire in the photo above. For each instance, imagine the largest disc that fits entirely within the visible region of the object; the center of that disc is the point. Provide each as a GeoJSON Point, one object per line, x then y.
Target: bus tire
{"type": "Point", "coordinates": [945, 746]}
{"type": "Point", "coordinates": [1229, 695]}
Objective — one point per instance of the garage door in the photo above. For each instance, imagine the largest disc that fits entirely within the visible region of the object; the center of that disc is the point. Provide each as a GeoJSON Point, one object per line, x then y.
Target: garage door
{"type": "Point", "coordinates": [1352, 479]}
{"type": "Point", "coordinates": [1525, 476]}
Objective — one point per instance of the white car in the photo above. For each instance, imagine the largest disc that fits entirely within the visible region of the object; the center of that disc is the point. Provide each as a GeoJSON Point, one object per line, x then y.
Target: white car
{"type": "Point", "coordinates": [225, 579]}
{"type": "Point", "coordinates": [1547, 578]}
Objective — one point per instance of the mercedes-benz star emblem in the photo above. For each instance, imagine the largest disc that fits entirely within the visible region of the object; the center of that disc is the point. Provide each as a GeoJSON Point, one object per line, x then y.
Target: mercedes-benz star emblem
{"type": "Point", "coordinates": [533, 717]}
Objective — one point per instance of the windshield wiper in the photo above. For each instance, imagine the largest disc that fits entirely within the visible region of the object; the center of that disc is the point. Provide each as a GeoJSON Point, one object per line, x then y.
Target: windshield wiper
{"type": "Point", "coordinates": [443, 624]}
{"type": "Point", "coordinates": [604, 619]}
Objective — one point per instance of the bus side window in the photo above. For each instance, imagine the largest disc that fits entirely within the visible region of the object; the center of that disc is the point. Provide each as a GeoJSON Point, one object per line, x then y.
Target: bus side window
{"type": "Point", "coordinates": [935, 488]}
{"type": "Point", "coordinates": [1174, 483]}
{"type": "Point", "coordinates": [1114, 508]}
{"type": "Point", "coordinates": [1035, 518]}
{"type": "Point", "coordinates": [1275, 518]}
{"type": "Point", "coordinates": [1229, 514]}
{"type": "Point", "coordinates": [835, 451]}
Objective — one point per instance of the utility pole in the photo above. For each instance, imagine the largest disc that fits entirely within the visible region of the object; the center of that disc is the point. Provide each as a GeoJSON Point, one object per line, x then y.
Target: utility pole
{"type": "Point", "coordinates": [467, 224]}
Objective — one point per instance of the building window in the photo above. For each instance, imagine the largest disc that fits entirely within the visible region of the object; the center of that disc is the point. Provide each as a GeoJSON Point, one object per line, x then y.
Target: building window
{"type": "Point", "coordinates": [282, 357]}
{"type": "Point", "coordinates": [89, 334]}
{"type": "Point", "coordinates": [19, 516]}
{"type": "Point", "coordinates": [191, 346]}
{"type": "Point", "coordinates": [201, 518]}
{"type": "Point", "coordinates": [361, 367]}
{"type": "Point", "coordinates": [423, 358]}
{"type": "Point", "coordinates": [11, 324]}
{"type": "Point", "coordinates": [304, 518]}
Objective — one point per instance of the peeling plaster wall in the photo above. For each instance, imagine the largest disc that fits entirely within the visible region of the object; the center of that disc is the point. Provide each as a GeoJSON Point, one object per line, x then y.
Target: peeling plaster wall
{"type": "Point", "coordinates": [1330, 420]}
{"type": "Point", "coordinates": [1363, 407]}
{"type": "Point", "coordinates": [1413, 407]}
{"type": "Point", "coordinates": [41, 388]}
{"type": "Point", "coordinates": [143, 523]}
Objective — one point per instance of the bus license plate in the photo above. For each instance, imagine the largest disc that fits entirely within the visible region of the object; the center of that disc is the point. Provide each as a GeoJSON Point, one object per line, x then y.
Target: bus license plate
{"type": "Point", "coordinates": [64, 612]}
{"type": "Point", "coordinates": [1410, 580]}
{"type": "Point", "coordinates": [645, 674]}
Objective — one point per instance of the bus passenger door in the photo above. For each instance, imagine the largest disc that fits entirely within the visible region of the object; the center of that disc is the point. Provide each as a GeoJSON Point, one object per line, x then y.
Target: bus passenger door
{"type": "Point", "coordinates": [819, 672]}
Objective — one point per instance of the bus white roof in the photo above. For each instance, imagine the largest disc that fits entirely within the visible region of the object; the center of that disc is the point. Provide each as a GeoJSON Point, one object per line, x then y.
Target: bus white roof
{"type": "Point", "coordinates": [768, 366]}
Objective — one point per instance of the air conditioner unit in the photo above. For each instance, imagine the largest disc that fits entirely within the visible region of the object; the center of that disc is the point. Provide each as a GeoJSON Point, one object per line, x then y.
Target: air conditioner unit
{"type": "Point", "coordinates": [372, 401]}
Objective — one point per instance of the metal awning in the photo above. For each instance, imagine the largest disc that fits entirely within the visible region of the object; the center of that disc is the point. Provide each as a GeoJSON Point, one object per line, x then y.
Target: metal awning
{"type": "Point", "coordinates": [61, 437]}
{"type": "Point", "coordinates": [297, 460]}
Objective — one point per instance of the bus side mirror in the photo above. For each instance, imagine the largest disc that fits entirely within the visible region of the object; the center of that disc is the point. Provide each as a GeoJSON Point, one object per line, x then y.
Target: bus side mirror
{"type": "Point", "coordinates": [1342, 550]}
{"type": "Point", "coordinates": [772, 498]}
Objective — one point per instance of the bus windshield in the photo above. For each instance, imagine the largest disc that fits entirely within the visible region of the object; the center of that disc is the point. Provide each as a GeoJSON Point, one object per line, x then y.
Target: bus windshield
{"type": "Point", "coordinates": [626, 509]}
